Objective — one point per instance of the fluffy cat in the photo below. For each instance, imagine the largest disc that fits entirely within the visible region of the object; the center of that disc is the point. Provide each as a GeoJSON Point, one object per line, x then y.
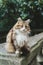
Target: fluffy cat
{"type": "Point", "coordinates": [18, 37]}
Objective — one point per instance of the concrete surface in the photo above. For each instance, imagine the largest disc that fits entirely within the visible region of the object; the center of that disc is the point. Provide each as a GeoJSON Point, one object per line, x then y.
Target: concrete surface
{"type": "Point", "coordinates": [11, 59]}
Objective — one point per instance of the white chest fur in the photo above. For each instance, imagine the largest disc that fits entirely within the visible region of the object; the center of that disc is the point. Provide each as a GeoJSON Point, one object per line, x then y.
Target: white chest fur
{"type": "Point", "coordinates": [21, 39]}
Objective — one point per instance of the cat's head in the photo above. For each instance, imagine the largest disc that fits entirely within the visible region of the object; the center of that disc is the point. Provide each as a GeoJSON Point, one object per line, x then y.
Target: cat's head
{"type": "Point", "coordinates": [23, 26]}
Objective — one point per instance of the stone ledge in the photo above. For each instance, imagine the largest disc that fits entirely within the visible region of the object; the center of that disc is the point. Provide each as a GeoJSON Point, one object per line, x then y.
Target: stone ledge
{"type": "Point", "coordinates": [11, 59]}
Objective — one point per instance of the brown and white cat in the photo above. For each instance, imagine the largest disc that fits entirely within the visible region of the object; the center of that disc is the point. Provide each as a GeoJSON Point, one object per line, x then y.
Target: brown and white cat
{"type": "Point", "coordinates": [18, 37]}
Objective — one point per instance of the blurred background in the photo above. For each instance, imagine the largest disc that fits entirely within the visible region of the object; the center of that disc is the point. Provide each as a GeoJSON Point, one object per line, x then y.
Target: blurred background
{"type": "Point", "coordinates": [10, 10]}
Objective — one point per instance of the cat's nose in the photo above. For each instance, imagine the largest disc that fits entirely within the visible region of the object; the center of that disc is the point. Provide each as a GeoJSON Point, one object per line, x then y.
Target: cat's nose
{"type": "Point", "coordinates": [22, 29]}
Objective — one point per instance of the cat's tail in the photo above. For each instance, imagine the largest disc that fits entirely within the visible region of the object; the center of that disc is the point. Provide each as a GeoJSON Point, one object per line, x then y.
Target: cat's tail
{"type": "Point", "coordinates": [9, 42]}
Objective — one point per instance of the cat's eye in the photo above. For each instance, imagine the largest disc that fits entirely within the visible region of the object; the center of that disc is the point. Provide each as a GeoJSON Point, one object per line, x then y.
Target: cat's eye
{"type": "Point", "coordinates": [26, 26]}
{"type": "Point", "coordinates": [21, 25]}
{"type": "Point", "coordinates": [18, 25]}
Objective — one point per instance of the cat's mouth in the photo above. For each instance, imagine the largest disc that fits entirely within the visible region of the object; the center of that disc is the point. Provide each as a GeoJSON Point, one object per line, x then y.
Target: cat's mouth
{"type": "Point", "coordinates": [25, 31]}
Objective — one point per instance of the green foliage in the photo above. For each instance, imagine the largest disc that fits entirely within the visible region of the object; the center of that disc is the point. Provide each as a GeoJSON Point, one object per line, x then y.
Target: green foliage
{"type": "Point", "coordinates": [10, 10]}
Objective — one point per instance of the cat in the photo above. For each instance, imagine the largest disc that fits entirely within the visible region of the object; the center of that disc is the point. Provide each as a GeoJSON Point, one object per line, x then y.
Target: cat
{"type": "Point", "coordinates": [18, 37]}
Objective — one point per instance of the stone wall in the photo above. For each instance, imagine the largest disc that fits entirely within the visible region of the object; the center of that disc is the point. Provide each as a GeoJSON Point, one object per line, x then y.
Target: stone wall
{"type": "Point", "coordinates": [35, 43]}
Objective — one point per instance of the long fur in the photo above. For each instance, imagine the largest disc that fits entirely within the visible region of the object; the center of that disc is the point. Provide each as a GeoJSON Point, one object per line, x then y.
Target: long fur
{"type": "Point", "coordinates": [18, 37]}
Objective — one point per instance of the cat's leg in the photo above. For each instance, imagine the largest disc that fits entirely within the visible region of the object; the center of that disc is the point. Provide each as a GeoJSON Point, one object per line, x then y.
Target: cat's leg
{"type": "Point", "coordinates": [27, 45]}
{"type": "Point", "coordinates": [25, 49]}
{"type": "Point", "coordinates": [9, 44]}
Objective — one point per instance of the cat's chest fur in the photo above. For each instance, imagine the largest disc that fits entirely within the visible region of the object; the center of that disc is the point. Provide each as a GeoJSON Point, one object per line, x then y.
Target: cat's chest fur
{"type": "Point", "coordinates": [21, 39]}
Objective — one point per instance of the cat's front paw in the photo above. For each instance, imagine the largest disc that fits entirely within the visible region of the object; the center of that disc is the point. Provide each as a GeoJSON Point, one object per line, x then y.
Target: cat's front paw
{"type": "Point", "coordinates": [18, 53]}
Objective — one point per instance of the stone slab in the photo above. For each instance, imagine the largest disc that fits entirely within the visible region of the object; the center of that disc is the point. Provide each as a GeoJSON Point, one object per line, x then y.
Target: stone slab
{"type": "Point", "coordinates": [11, 59]}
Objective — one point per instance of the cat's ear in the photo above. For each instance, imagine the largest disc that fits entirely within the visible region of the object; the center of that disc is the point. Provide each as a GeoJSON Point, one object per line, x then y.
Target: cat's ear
{"type": "Point", "coordinates": [28, 21]}
{"type": "Point", "coordinates": [19, 19]}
